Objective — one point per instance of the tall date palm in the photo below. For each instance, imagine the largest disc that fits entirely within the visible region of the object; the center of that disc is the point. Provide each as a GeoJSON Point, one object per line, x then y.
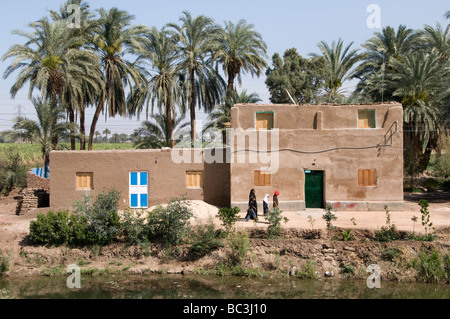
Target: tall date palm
{"type": "Point", "coordinates": [204, 86]}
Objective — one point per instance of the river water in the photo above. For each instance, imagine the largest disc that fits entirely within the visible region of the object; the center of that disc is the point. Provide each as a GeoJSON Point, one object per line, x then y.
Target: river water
{"type": "Point", "coordinates": [213, 287]}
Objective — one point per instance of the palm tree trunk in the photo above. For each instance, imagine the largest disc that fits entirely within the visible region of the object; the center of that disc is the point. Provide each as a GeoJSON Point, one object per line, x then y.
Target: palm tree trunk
{"type": "Point", "coordinates": [192, 107]}
{"type": "Point", "coordinates": [82, 130]}
{"type": "Point", "coordinates": [170, 123]}
{"type": "Point", "coordinates": [72, 120]}
{"type": "Point", "coordinates": [94, 124]}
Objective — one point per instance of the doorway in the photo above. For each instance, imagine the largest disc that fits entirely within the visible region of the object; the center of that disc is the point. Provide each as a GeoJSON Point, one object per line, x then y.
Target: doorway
{"type": "Point", "coordinates": [314, 189]}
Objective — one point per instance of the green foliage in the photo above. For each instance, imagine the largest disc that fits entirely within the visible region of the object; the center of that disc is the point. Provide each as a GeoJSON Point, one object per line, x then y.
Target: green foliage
{"type": "Point", "coordinates": [204, 240]}
{"type": "Point", "coordinates": [52, 229]}
{"type": "Point", "coordinates": [348, 269]}
{"type": "Point", "coordinates": [133, 228]}
{"type": "Point", "coordinates": [13, 171]}
{"type": "Point", "coordinates": [346, 235]}
{"type": "Point", "coordinates": [229, 217]}
{"type": "Point", "coordinates": [329, 216]}
{"type": "Point", "coordinates": [171, 224]}
{"type": "Point", "coordinates": [302, 78]}
{"type": "Point", "coordinates": [308, 271]}
{"type": "Point", "coordinates": [102, 216]}
{"type": "Point", "coordinates": [275, 219]}
{"type": "Point", "coordinates": [4, 263]}
{"type": "Point", "coordinates": [426, 223]}
{"type": "Point", "coordinates": [387, 234]}
{"type": "Point", "coordinates": [391, 253]}
{"type": "Point", "coordinates": [240, 245]}
{"type": "Point", "coordinates": [431, 267]}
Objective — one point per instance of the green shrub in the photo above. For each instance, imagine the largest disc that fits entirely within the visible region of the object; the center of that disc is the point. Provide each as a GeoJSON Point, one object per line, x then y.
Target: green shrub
{"type": "Point", "coordinates": [170, 225]}
{"type": "Point", "coordinates": [391, 253]}
{"type": "Point", "coordinates": [240, 245]}
{"type": "Point", "coordinates": [346, 235]}
{"type": "Point", "coordinates": [426, 223]}
{"type": "Point", "coordinates": [348, 269]}
{"type": "Point", "coordinates": [229, 217]}
{"type": "Point", "coordinates": [13, 171]}
{"type": "Point", "coordinates": [274, 218]}
{"type": "Point", "coordinates": [134, 230]}
{"type": "Point", "coordinates": [204, 240]}
{"type": "Point", "coordinates": [329, 216]}
{"type": "Point", "coordinates": [387, 234]}
{"type": "Point", "coordinates": [53, 229]}
{"type": "Point", "coordinates": [308, 271]}
{"type": "Point", "coordinates": [4, 263]}
{"type": "Point", "coordinates": [102, 216]}
{"type": "Point", "coordinates": [431, 267]}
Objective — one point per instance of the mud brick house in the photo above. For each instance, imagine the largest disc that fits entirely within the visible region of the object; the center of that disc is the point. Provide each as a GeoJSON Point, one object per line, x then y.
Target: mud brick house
{"type": "Point", "coordinates": [347, 156]}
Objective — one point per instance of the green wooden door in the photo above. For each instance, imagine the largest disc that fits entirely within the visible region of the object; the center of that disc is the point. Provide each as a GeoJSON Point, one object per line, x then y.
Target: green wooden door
{"type": "Point", "coordinates": [314, 189]}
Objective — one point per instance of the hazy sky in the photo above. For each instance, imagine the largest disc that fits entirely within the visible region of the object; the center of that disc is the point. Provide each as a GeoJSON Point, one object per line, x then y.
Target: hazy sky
{"type": "Point", "coordinates": [283, 24]}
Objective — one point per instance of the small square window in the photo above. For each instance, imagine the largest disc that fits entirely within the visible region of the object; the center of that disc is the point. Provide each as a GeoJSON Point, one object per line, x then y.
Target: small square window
{"type": "Point", "coordinates": [262, 178]}
{"type": "Point", "coordinates": [367, 177]}
{"type": "Point", "coordinates": [194, 179]}
{"type": "Point", "coordinates": [85, 181]}
{"type": "Point", "coordinates": [366, 119]}
{"type": "Point", "coordinates": [264, 121]}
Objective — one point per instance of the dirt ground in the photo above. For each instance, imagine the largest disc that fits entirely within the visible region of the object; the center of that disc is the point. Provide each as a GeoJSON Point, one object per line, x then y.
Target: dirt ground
{"type": "Point", "coordinates": [26, 260]}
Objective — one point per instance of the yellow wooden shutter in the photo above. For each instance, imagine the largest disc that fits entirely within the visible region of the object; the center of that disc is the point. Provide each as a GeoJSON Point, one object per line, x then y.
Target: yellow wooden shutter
{"type": "Point", "coordinates": [372, 177]}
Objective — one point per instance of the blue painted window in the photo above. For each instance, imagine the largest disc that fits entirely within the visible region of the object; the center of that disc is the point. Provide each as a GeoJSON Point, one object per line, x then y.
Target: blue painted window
{"type": "Point", "coordinates": [139, 190]}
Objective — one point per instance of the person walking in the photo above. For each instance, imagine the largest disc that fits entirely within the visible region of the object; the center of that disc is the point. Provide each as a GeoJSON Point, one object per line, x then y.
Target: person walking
{"type": "Point", "coordinates": [275, 200]}
{"type": "Point", "coordinates": [252, 210]}
{"type": "Point", "coordinates": [266, 204]}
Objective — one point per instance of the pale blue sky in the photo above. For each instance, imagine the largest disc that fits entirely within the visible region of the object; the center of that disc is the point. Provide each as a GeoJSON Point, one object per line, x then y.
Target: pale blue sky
{"type": "Point", "coordinates": [283, 24]}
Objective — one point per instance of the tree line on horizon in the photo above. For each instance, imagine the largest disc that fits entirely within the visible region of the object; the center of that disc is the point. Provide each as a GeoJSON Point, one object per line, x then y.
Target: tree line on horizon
{"type": "Point", "coordinates": [127, 70]}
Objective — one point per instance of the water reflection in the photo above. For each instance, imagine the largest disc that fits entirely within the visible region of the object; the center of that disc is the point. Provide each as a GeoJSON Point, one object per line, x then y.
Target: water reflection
{"type": "Point", "coordinates": [212, 287]}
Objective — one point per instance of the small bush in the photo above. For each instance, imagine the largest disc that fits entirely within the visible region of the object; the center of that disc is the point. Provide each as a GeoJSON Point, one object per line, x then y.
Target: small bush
{"type": "Point", "coordinates": [346, 235]}
{"type": "Point", "coordinates": [431, 267]}
{"type": "Point", "coordinates": [308, 271]}
{"type": "Point", "coordinates": [390, 254]}
{"type": "Point", "coordinates": [52, 229]}
{"type": "Point", "coordinates": [329, 216]}
{"type": "Point", "coordinates": [4, 263]}
{"type": "Point", "coordinates": [274, 218]}
{"type": "Point", "coordinates": [240, 245]}
{"type": "Point", "coordinates": [204, 240]}
{"type": "Point", "coordinates": [13, 171]}
{"type": "Point", "coordinates": [170, 225]}
{"type": "Point", "coordinates": [229, 217]}
{"type": "Point", "coordinates": [387, 234]}
{"type": "Point", "coordinates": [348, 269]}
{"type": "Point", "coordinates": [134, 230]}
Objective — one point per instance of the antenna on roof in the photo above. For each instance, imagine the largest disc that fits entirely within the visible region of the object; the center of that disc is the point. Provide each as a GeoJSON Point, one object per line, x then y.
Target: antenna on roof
{"type": "Point", "coordinates": [290, 96]}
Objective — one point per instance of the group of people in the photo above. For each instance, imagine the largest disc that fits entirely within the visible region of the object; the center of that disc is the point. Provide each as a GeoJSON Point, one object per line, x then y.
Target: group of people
{"type": "Point", "coordinates": [252, 210]}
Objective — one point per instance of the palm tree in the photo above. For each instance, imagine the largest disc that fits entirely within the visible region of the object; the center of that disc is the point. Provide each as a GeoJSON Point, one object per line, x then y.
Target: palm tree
{"type": "Point", "coordinates": [417, 81]}
{"type": "Point", "coordinates": [158, 50]}
{"type": "Point", "coordinates": [114, 39]}
{"type": "Point", "coordinates": [437, 39]}
{"type": "Point", "coordinates": [106, 132]}
{"type": "Point", "coordinates": [381, 50]}
{"type": "Point", "coordinates": [447, 15]}
{"type": "Point", "coordinates": [197, 38]}
{"type": "Point", "coordinates": [78, 96]}
{"type": "Point", "coordinates": [241, 50]}
{"type": "Point", "coordinates": [339, 63]}
{"type": "Point", "coordinates": [51, 61]}
{"type": "Point", "coordinates": [97, 135]}
{"type": "Point", "coordinates": [156, 135]}
{"type": "Point", "coordinates": [221, 116]}
{"type": "Point", "coordinates": [50, 124]}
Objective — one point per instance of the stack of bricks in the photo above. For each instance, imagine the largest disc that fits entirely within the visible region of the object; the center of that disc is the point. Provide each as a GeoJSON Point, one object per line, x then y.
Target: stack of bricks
{"type": "Point", "coordinates": [35, 196]}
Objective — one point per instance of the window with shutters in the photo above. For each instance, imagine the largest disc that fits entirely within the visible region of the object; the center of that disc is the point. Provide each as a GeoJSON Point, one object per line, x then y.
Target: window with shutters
{"type": "Point", "coordinates": [194, 179]}
{"type": "Point", "coordinates": [264, 121]}
{"type": "Point", "coordinates": [367, 177]}
{"type": "Point", "coordinates": [366, 119]}
{"type": "Point", "coordinates": [85, 181]}
{"type": "Point", "coordinates": [262, 178]}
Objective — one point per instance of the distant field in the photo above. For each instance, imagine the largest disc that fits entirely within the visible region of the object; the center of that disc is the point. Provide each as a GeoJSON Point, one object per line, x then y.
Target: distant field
{"type": "Point", "coordinates": [31, 153]}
